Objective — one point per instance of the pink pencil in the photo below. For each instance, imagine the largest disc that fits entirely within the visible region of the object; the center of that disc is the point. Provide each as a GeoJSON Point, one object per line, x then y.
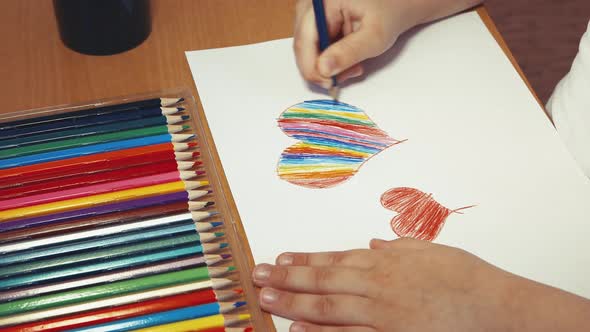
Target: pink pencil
{"type": "Point", "coordinates": [96, 189]}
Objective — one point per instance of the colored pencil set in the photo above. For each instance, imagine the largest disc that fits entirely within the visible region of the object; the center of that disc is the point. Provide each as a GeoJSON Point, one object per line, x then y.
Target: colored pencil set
{"type": "Point", "coordinates": [109, 222]}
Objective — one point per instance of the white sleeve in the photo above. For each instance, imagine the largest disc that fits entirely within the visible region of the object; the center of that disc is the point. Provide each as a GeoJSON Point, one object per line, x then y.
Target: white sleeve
{"type": "Point", "coordinates": [569, 106]}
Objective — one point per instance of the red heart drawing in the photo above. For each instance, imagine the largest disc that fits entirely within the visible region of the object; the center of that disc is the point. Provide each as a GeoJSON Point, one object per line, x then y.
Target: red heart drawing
{"type": "Point", "coordinates": [419, 215]}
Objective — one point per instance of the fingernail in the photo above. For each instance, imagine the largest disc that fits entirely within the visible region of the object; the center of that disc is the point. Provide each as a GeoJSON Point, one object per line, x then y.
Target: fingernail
{"type": "Point", "coordinates": [358, 72]}
{"type": "Point", "coordinates": [297, 327]}
{"type": "Point", "coordinates": [285, 259]}
{"type": "Point", "coordinates": [262, 272]}
{"type": "Point", "coordinates": [327, 66]}
{"type": "Point", "coordinates": [269, 295]}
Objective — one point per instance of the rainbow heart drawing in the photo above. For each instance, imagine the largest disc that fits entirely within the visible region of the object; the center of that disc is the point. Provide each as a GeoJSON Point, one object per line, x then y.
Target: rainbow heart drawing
{"type": "Point", "coordinates": [419, 215]}
{"type": "Point", "coordinates": [335, 139]}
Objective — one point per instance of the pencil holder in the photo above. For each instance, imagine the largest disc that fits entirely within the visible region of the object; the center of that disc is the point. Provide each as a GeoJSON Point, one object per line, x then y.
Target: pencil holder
{"type": "Point", "coordinates": [102, 27]}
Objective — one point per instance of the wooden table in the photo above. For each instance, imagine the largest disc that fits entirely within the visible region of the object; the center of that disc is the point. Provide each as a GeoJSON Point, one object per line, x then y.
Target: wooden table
{"type": "Point", "coordinates": [39, 71]}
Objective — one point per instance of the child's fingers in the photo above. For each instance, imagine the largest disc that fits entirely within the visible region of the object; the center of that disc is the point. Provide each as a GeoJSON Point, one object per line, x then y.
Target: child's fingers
{"type": "Point", "coordinates": [358, 259]}
{"type": "Point", "coordinates": [401, 243]}
{"type": "Point", "coordinates": [352, 72]}
{"type": "Point", "coordinates": [306, 40]}
{"type": "Point", "coordinates": [318, 280]}
{"type": "Point", "coordinates": [320, 309]}
{"type": "Point", "coordinates": [351, 50]}
{"type": "Point", "coordinates": [306, 49]}
{"type": "Point", "coordinates": [307, 327]}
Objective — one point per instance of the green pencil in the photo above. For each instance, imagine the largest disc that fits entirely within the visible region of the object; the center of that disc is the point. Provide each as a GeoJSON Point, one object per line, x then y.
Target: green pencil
{"type": "Point", "coordinates": [105, 253]}
{"type": "Point", "coordinates": [90, 140]}
{"type": "Point", "coordinates": [92, 130]}
{"type": "Point", "coordinates": [111, 289]}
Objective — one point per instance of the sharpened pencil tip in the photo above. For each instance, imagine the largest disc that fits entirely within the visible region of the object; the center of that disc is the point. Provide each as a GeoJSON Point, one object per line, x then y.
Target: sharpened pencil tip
{"type": "Point", "coordinates": [335, 92]}
{"type": "Point", "coordinates": [211, 204]}
{"type": "Point", "coordinates": [216, 223]}
{"type": "Point", "coordinates": [225, 256]}
{"type": "Point", "coordinates": [219, 234]}
{"type": "Point", "coordinates": [239, 291]}
{"type": "Point", "coordinates": [231, 268]}
{"type": "Point", "coordinates": [239, 304]}
{"type": "Point", "coordinates": [223, 245]}
{"type": "Point", "coordinates": [184, 117]}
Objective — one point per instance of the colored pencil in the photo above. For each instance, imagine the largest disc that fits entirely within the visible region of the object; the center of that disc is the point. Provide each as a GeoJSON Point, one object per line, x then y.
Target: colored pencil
{"type": "Point", "coordinates": [124, 262]}
{"type": "Point", "coordinates": [99, 316]}
{"type": "Point", "coordinates": [93, 200]}
{"type": "Point", "coordinates": [99, 162]}
{"type": "Point", "coordinates": [96, 178]}
{"type": "Point", "coordinates": [107, 241]}
{"type": "Point", "coordinates": [88, 150]}
{"type": "Point", "coordinates": [324, 38]}
{"type": "Point", "coordinates": [70, 143]}
{"type": "Point", "coordinates": [165, 113]}
{"type": "Point", "coordinates": [183, 219]}
{"type": "Point", "coordinates": [114, 301]}
{"type": "Point", "coordinates": [116, 288]}
{"type": "Point", "coordinates": [96, 189]}
{"type": "Point", "coordinates": [11, 240]}
{"type": "Point", "coordinates": [79, 131]}
{"type": "Point", "coordinates": [164, 317]}
{"type": "Point", "coordinates": [129, 206]}
{"type": "Point", "coordinates": [108, 253]}
{"type": "Point", "coordinates": [107, 277]}
{"type": "Point", "coordinates": [199, 324]}
{"type": "Point", "coordinates": [91, 112]}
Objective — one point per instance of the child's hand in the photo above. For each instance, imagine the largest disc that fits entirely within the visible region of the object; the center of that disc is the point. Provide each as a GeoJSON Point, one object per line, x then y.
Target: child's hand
{"type": "Point", "coordinates": [411, 285]}
{"type": "Point", "coordinates": [367, 28]}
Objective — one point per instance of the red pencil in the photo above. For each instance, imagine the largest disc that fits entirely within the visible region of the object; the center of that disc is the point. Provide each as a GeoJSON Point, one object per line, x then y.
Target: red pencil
{"type": "Point", "coordinates": [94, 178]}
{"type": "Point", "coordinates": [87, 164]}
{"type": "Point", "coordinates": [124, 311]}
{"type": "Point", "coordinates": [172, 178]}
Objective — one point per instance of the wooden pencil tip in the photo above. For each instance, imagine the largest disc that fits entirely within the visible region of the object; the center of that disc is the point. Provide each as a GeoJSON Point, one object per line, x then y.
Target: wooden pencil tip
{"type": "Point", "coordinates": [335, 92]}
{"type": "Point", "coordinates": [170, 101]}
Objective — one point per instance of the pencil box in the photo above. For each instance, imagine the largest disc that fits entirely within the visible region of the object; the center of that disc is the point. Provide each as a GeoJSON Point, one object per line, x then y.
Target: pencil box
{"type": "Point", "coordinates": [115, 215]}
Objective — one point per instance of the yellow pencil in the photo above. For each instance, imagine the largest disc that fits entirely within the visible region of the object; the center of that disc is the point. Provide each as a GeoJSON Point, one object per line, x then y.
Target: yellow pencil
{"type": "Point", "coordinates": [198, 324]}
{"type": "Point", "coordinates": [94, 200]}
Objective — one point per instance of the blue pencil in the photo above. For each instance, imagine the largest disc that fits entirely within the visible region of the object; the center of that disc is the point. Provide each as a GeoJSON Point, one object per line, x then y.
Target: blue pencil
{"type": "Point", "coordinates": [110, 265]}
{"type": "Point", "coordinates": [93, 129]}
{"type": "Point", "coordinates": [74, 123]}
{"type": "Point", "coordinates": [324, 37]}
{"type": "Point", "coordinates": [49, 263]}
{"type": "Point", "coordinates": [100, 242]}
{"type": "Point", "coordinates": [164, 317]}
{"type": "Point", "coordinates": [97, 110]}
{"type": "Point", "coordinates": [84, 151]}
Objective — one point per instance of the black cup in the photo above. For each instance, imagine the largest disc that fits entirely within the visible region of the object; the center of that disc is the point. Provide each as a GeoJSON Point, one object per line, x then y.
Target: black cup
{"type": "Point", "coordinates": [102, 27]}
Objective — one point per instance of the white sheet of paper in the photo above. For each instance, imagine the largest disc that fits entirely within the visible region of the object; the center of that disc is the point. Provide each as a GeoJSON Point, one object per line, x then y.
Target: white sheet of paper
{"type": "Point", "coordinates": [475, 136]}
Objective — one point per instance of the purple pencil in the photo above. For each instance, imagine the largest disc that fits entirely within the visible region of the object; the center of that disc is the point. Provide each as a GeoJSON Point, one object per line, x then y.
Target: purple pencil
{"type": "Point", "coordinates": [94, 211]}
